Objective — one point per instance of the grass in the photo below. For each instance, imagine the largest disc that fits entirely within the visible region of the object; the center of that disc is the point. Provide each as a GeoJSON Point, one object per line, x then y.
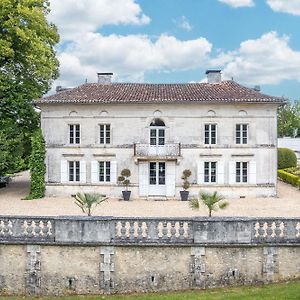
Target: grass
{"type": "Point", "coordinates": [285, 291]}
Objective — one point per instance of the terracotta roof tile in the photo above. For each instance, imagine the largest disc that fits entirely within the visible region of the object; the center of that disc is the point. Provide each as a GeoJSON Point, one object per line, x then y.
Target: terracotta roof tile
{"type": "Point", "coordinates": [226, 91]}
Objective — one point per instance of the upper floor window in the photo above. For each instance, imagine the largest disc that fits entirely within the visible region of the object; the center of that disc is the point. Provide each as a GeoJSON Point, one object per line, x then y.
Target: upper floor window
{"type": "Point", "coordinates": [241, 133]}
{"type": "Point", "coordinates": [210, 134]}
{"type": "Point", "coordinates": [74, 134]}
{"type": "Point", "coordinates": [104, 171]}
{"type": "Point", "coordinates": [157, 132]}
{"type": "Point", "coordinates": [105, 134]}
{"type": "Point", "coordinates": [210, 171]}
{"type": "Point", "coordinates": [241, 172]}
{"type": "Point", "coordinates": [74, 171]}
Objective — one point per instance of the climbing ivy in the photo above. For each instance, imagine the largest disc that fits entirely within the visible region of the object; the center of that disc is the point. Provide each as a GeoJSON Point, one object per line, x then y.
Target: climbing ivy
{"type": "Point", "coordinates": [37, 166]}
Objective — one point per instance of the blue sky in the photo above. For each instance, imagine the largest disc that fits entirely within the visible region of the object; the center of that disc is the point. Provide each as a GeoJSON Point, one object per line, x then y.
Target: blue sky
{"type": "Point", "coordinates": [257, 42]}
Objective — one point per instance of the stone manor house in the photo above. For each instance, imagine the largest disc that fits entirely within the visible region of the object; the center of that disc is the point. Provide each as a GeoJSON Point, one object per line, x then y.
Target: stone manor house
{"type": "Point", "coordinates": [225, 133]}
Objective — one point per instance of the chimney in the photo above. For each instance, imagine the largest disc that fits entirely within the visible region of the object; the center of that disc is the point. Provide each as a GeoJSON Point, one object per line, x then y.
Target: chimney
{"type": "Point", "coordinates": [257, 88]}
{"type": "Point", "coordinates": [213, 76]}
{"type": "Point", "coordinates": [104, 78]}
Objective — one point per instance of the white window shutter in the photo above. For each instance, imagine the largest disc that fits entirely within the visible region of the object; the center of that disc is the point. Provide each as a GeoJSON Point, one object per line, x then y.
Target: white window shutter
{"type": "Point", "coordinates": [113, 171]}
{"type": "Point", "coordinates": [220, 170]}
{"type": "Point", "coordinates": [200, 172]}
{"type": "Point", "coordinates": [82, 171]}
{"type": "Point", "coordinates": [252, 172]}
{"type": "Point", "coordinates": [232, 171]}
{"type": "Point", "coordinates": [63, 171]}
{"type": "Point", "coordinates": [94, 171]}
{"type": "Point", "coordinates": [170, 179]}
{"type": "Point", "coordinates": [143, 178]}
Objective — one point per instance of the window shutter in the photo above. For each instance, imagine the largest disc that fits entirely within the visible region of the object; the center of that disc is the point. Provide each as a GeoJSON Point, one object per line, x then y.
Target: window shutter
{"type": "Point", "coordinates": [94, 171]}
{"type": "Point", "coordinates": [113, 171]}
{"type": "Point", "coordinates": [232, 172]}
{"type": "Point", "coordinates": [64, 171]}
{"type": "Point", "coordinates": [143, 178]}
{"type": "Point", "coordinates": [82, 171]}
{"type": "Point", "coordinates": [252, 172]}
{"type": "Point", "coordinates": [220, 170]}
{"type": "Point", "coordinates": [170, 179]}
{"type": "Point", "coordinates": [200, 172]}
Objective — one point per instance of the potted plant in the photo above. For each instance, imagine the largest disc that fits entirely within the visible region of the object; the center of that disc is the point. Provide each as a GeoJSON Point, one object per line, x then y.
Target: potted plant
{"type": "Point", "coordinates": [123, 179]}
{"type": "Point", "coordinates": [186, 184]}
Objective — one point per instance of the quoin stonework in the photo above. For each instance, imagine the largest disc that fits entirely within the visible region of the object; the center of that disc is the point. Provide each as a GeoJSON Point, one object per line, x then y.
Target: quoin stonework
{"type": "Point", "coordinates": [225, 133]}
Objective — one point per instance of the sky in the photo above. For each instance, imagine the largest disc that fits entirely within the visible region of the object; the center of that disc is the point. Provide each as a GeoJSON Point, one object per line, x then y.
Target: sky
{"type": "Point", "coordinates": [254, 42]}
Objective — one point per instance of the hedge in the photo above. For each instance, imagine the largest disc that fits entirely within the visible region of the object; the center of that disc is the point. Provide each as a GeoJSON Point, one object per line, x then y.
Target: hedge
{"type": "Point", "coordinates": [286, 158]}
{"type": "Point", "coordinates": [289, 178]}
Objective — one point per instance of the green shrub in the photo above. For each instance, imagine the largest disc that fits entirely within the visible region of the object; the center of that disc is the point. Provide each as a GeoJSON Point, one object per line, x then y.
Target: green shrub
{"type": "Point", "coordinates": [286, 158]}
{"type": "Point", "coordinates": [289, 178]}
{"type": "Point", "coordinates": [37, 166]}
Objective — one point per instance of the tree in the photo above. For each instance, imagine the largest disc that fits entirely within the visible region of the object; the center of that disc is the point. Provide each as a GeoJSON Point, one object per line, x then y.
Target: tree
{"type": "Point", "coordinates": [28, 66]}
{"type": "Point", "coordinates": [37, 166]}
{"type": "Point", "coordinates": [289, 120]}
{"type": "Point", "coordinates": [86, 201]}
{"type": "Point", "coordinates": [211, 201]}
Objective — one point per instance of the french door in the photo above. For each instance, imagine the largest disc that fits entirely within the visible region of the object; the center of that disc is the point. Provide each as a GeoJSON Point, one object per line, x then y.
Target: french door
{"type": "Point", "coordinates": [157, 141]}
{"type": "Point", "coordinates": [157, 178]}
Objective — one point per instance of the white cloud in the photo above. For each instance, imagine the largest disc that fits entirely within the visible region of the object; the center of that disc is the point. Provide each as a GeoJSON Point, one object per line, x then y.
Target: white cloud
{"type": "Point", "coordinates": [266, 60]}
{"type": "Point", "coordinates": [285, 6]}
{"type": "Point", "coordinates": [129, 56]}
{"type": "Point", "coordinates": [184, 23]}
{"type": "Point", "coordinates": [238, 3]}
{"type": "Point", "coordinates": [76, 17]}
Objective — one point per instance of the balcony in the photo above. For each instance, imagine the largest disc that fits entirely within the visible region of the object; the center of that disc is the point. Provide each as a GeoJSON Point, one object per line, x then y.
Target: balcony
{"type": "Point", "coordinates": [167, 151]}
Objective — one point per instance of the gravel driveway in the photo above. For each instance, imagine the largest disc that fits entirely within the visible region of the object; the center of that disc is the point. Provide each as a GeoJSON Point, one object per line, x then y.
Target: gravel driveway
{"type": "Point", "coordinates": [287, 204]}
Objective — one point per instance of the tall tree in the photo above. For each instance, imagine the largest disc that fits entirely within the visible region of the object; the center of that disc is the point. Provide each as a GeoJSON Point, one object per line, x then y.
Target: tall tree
{"type": "Point", "coordinates": [28, 66]}
{"type": "Point", "coordinates": [289, 120]}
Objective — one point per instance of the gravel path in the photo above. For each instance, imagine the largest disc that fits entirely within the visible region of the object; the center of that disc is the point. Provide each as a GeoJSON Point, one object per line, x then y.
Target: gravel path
{"type": "Point", "coordinates": [287, 204]}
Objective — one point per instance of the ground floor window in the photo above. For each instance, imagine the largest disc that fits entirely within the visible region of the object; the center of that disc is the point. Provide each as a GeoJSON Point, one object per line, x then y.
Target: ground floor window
{"type": "Point", "coordinates": [74, 171]}
{"type": "Point", "coordinates": [104, 171]}
{"type": "Point", "coordinates": [241, 174]}
{"type": "Point", "coordinates": [210, 172]}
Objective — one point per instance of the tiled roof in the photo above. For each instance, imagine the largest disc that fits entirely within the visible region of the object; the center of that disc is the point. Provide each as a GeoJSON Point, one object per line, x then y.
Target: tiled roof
{"type": "Point", "coordinates": [226, 91]}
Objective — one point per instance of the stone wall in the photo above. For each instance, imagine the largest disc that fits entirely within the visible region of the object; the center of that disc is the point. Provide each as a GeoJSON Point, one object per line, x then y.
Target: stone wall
{"type": "Point", "coordinates": [81, 255]}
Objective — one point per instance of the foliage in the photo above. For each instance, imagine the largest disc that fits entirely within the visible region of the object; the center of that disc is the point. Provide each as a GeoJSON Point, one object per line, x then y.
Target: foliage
{"type": "Point", "coordinates": [294, 170]}
{"type": "Point", "coordinates": [123, 178]}
{"type": "Point", "coordinates": [212, 201]}
{"type": "Point", "coordinates": [37, 166]}
{"type": "Point", "coordinates": [289, 120]}
{"type": "Point", "coordinates": [28, 67]}
{"type": "Point", "coordinates": [88, 201]}
{"type": "Point", "coordinates": [287, 177]}
{"type": "Point", "coordinates": [286, 158]}
{"type": "Point", "coordinates": [185, 175]}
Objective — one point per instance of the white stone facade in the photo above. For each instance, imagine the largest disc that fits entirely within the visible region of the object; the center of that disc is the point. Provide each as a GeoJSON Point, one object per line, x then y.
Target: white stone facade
{"type": "Point", "coordinates": [185, 148]}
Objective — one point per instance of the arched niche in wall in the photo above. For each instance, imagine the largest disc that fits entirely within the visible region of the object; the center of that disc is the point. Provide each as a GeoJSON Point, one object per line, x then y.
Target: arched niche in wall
{"type": "Point", "coordinates": [211, 113]}
{"type": "Point", "coordinates": [157, 113]}
{"type": "Point", "coordinates": [242, 113]}
{"type": "Point", "coordinates": [104, 113]}
{"type": "Point", "coordinates": [73, 113]}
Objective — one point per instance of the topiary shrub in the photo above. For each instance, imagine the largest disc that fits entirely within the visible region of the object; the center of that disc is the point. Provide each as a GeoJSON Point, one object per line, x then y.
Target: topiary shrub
{"type": "Point", "coordinates": [37, 166]}
{"type": "Point", "coordinates": [289, 178]}
{"type": "Point", "coordinates": [286, 158]}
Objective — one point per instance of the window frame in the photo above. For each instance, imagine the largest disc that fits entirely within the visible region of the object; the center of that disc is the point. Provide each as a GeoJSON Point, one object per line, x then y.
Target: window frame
{"type": "Point", "coordinates": [105, 174]}
{"type": "Point", "coordinates": [210, 174]}
{"type": "Point", "coordinates": [75, 173]}
{"type": "Point", "coordinates": [210, 137]}
{"type": "Point", "coordinates": [241, 174]}
{"type": "Point", "coordinates": [105, 137]}
{"type": "Point", "coordinates": [241, 137]}
{"type": "Point", "coordinates": [72, 137]}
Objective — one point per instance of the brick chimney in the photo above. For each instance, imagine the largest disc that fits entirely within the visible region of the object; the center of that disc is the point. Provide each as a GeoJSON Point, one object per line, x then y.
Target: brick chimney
{"type": "Point", "coordinates": [104, 78]}
{"type": "Point", "coordinates": [213, 76]}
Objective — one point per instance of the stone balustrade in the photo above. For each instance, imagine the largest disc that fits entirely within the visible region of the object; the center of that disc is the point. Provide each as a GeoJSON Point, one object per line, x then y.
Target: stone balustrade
{"type": "Point", "coordinates": [149, 231]}
{"type": "Point", "coordinates": [167, 150]}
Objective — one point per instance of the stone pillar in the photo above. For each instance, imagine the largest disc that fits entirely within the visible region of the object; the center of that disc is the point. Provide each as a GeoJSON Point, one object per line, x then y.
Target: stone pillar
{"type": "Point", "coordinates": [33, 270]}
{"type": "Point", "coordinates": [106, 268]}
{"type": "Point", "coordinates": [198, 266]}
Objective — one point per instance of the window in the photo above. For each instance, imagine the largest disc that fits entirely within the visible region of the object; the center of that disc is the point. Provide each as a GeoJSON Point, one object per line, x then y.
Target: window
{"type": "Point", "coordinates": [74, 171]}
{"type": "Point", "coordinates": [210, 134]}
{"type": "Point", "coordinates": [104, 171]}
{"type": "Point", "coordinates": [241, 173]}
{"type": "Point", "coordinates": [74, 130]}
{"type": "Point", "coordinates": [241, 133]}
{"type": "Point", "coordinates": [105, 132]}
{"type": "Point", "coordinates": [210, 172]}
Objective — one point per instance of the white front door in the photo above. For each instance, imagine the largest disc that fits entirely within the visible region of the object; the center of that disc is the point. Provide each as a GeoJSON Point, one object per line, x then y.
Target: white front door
{"type": "Point", "coordinates": [157, 179]}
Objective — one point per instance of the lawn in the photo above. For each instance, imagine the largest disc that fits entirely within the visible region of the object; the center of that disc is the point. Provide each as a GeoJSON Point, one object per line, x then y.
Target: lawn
{"type": "Point", "coordinates": [285, 291]}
